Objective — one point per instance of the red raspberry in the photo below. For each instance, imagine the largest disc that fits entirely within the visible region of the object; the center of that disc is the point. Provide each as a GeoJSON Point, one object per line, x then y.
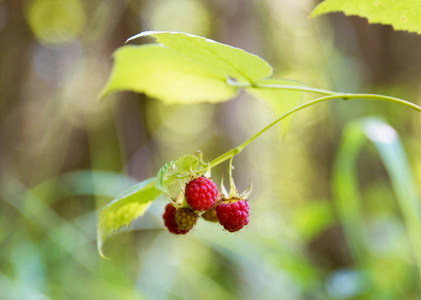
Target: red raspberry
{"type": "Point", "coordinates": [201, 193]}
{"type": "Point", "coordinates": [185, 218]}
{"type": "Point", "coordinates": [169, 220]}
{"type": "Point", "coordinates": [233, 215]}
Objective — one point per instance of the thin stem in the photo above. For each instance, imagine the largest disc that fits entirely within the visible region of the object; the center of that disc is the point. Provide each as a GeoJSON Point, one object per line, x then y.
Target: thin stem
{"type": "Point", "coordinates": [239, 148]}
{"type": "Point", "coordinates": [381, 98]}
{"type": "Point", "coordinates": [233, 190]}
{"type": "Point", "coordinates": [230, 168]}
{"type": "Point", "coordinates": [280, 87]}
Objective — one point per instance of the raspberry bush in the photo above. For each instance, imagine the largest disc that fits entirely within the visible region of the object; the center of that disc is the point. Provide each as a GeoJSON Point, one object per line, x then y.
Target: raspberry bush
{"type": "Point", "coordinates": [219, 71]}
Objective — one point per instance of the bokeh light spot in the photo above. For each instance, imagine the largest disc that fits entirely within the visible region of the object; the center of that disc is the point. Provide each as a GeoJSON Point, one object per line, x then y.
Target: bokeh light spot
{"type": "Point", "coordinates": [56, 21]}
{"type": "Point", "coordinates": [382, 133]}
{"type": "Point", "coordinates": [179, 15]}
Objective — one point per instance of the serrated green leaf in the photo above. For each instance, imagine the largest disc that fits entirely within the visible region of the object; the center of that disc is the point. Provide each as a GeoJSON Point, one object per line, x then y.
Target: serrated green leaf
{"type": "Point", "coordinates": [161, 73]}
{"type": "Point", "coordinates": [402, 14]}
{"type": "Point", "coordinates": [125, 209]}
{"type": "Point", "coordinates": [217, 57]}
{"type": "Point", "coordinates": [179, 166]}
{"type": "Point", "coordinates": [183, 68]}
{"type": "Point", "coordinates": [279, 100]}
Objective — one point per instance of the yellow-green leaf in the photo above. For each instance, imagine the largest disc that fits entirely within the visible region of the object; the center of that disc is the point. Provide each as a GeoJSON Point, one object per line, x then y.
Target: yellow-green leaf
{"type": "Point", "coordinates": [125, 209]}
{"type": "Point", "coordinates": [161, 73]}
{"type": "Point", "coordinates": [179, 166]}
{"type": "Point", "coordinates": [183, 68]}
{"type": "Point", "coordinates": [217, 57]}
{"type": "Point", "coordinates": [401, 14]}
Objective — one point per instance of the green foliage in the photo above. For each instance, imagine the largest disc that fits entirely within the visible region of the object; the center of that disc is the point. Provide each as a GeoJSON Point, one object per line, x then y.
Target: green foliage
{"type": "Point", "coordinates": [125, 208]}
{"type": "Point", "coordinates": [402, 15]}
{"type": "Point", "coordinates": [48, 219]}
{"type": "Point", "coordinates": [221, 59]}
{"type": "Point", "coordinates": [184, 68]}
{"type": "Point", "coordinates": [162, 73]}
{"type": "Point", "coordinates": [313, 218]}
{"type": "Point", "coordinates": [135, 201]}
{"type": "Point", "coordinates": [176, 167]}
{"type": "Point", "coordinates": [346, 191]}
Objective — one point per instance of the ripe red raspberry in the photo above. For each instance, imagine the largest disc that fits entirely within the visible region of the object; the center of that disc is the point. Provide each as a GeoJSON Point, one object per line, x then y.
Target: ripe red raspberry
{"type": "Point", "coordinates": [233, 215]}
{"type": "Point", "coordinates": [185, 218]}
{"type": "Point", "coordinates": [201, 193]}
{"type": "Point", "coordinates": [169, 220]}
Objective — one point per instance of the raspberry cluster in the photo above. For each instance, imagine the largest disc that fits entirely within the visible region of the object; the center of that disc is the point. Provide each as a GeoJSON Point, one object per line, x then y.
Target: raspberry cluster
{"type": "Point", "coordinates": [202, 196]}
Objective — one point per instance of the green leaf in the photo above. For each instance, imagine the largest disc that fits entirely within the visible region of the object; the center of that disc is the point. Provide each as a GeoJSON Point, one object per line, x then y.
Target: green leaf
{"type": "Point", "coordinates": [402, 14]}
{"type": "Point", "coordinates": [125, 209]}
{"type": "Point", "coordinates": [179, 166]}
{"type": "Point", "coordinates": [183, 68]}
{"type": "Point", "coordinates": [219, 58]}
{"type": "Point", "coordinates": [279, 100]}
{"type": "Point", "coordinates": [161, 73]}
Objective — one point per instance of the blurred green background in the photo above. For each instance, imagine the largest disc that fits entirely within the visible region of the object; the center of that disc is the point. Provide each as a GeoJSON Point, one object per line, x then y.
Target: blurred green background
{"type": "Point", "coordinates": [64, 155]}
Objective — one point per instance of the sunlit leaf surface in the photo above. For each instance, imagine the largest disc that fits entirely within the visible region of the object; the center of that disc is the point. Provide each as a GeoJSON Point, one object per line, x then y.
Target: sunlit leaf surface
{"type": "Point", "coordinates": [183, 68]}
{"type": "Point", "coordinates": [402, 15]}
{"type": "Point", "coordinates": [178, 166]}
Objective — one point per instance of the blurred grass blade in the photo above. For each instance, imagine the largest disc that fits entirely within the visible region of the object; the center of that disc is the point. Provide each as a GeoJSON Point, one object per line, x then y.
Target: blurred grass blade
{"type": "Point", "coordinates": [346, 192]}
{"type": "Point", "coordinates": [44, 218]}
{"type": "Point", "coordinates": [345, 185]}
{"type": "Point", "coordinates": [79, 183]}
{"type": "Point", "coordinates": [37, 216]}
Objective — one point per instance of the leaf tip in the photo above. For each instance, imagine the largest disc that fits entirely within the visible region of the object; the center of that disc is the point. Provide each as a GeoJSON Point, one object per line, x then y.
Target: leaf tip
{"type": "Point", "coordinates": [314, 13]}
{"type": "Point", "coordinates": [141, 34]}
{"type": "Point", "coordinates": [103, 94]}
{"type": "Point", "coordinates": [102, 255]}
{"type": "Point", "coordinates": [100, 241]}
{"type": "Point", "coordinates": [318, 10]}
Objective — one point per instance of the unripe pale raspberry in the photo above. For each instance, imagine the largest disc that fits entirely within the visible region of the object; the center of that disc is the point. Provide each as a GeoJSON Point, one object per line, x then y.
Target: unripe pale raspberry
{"type": "Point", "coordinates": [169, 220]}
{"type": "Point", "coordinates": [185, 218]}
{"type": "Point", "coordinates": [233, 215]}
{"type": "Point", "coordinates": [201, 193]}
{"type": "Point", "coordinates": [210, 215]}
